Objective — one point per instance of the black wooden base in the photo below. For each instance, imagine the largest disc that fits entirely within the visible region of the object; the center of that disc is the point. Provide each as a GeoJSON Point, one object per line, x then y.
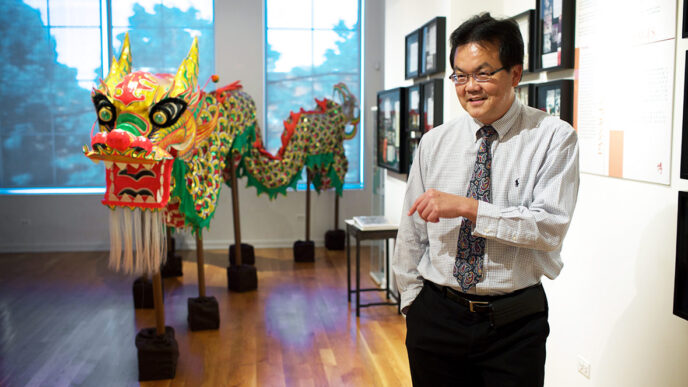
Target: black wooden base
{"type": "Point", "coordinates": [157, 355]}
{"type": "Point", "coordinates": [203, 313]}
{"type": "Point", "coordinates": [248, 256]}
{"type": "Point", "coordinates": [334, 239]}
{"type": "Point", "coordinates": [143, 293]}
{"type": "Point", "coordinates": [172, 266]}
{"type": "Point", "coordinates": [304, 251]}
{"type": "Point", "coordinates": [242, 278]}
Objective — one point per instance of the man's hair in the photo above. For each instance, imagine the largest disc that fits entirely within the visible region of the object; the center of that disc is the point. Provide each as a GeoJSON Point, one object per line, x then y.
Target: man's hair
{"type": "Point", "coordinates": [503, 33]}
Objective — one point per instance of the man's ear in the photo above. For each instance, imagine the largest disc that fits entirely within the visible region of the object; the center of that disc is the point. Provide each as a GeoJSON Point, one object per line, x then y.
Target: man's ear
{"type": "Point", "coordinates": [516, 73]}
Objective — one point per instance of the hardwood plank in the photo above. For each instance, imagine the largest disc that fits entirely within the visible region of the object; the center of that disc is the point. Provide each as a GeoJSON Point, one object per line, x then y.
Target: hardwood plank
{"type": "Point", "coordinates": [66, 319]}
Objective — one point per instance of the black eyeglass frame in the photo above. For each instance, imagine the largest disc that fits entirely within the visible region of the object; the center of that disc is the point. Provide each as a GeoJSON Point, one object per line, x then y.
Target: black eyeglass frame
{"type": "Point", "coordinates": [454, 77]}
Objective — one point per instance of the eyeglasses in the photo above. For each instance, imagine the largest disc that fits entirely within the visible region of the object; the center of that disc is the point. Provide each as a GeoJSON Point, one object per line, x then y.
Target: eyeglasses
{"type": "Point", "coordinates": [481, 76]}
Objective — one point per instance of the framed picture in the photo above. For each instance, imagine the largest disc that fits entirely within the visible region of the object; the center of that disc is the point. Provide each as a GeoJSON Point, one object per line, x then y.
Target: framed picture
{"type": "Point", "coordinates": [556, 98]}
{"type": "Point", "coordinates": [556, 22]}
{"type": "Point", "coordinates": [681, 273]}
{"type": "Point", "coordinates": [432, 48]}
{"type": "Point", "coordinates": [684, 139]}
{"type": "Point", "coordinates": [413, 115]}
{"type": "Point", "coordinates": [684, 28]}
{"type": "Point", "coordinates": [526, 23]}
{"type": "Point", "coordinates": [413, 107]}
{"type": "Point", "coordinates": [431, 108]}
{"type": "Point", "coordinates": [412, 55]}
{"type": "Point", "coordinates": [391, 130]}
{"type": "Point", "coordinates": [526, 94]}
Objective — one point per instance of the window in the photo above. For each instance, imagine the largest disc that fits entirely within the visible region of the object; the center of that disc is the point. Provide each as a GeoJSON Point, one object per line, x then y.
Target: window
{"type": "Point", "coordinates": [54, 53]}
{"type": "Point", "coordinates": [311, 46]}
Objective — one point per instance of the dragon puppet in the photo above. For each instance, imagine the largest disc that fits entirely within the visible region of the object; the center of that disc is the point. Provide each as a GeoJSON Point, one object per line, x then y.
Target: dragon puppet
{"type": "Point", "coordinates": [166, 143]}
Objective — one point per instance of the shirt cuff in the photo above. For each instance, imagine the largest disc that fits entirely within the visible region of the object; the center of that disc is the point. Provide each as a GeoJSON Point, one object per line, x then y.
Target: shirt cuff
{"type": "Point", "coordinates": [487, 220]}
{"type": "Point", "coordinates": [410, 294]}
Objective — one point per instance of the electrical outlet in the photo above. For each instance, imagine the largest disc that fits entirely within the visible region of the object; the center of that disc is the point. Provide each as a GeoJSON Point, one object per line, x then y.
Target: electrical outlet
{"type": "Point", "coordinates": [583, 366]}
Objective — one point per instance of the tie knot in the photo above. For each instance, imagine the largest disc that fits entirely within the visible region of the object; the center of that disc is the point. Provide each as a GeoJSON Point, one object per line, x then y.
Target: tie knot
{"type": "Point", "coordinates": [486, 131]}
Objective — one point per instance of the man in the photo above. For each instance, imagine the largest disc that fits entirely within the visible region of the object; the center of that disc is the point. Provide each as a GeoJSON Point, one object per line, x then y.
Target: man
{"type": "Point", "coordinates": [488, 202]}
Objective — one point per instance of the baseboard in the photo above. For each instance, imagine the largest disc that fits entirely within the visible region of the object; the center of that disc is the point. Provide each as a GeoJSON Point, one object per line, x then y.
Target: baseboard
{"type": "Point", "coordinates": [184, 243]}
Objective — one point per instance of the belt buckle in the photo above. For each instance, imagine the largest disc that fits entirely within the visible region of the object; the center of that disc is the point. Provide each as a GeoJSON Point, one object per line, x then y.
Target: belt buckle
{"type": "Point", "coordinates": [471, 303]}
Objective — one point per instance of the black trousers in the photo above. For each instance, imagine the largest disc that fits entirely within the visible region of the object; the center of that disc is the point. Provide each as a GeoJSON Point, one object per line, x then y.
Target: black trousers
{"type": "Point", "coordinates": [450, 346]}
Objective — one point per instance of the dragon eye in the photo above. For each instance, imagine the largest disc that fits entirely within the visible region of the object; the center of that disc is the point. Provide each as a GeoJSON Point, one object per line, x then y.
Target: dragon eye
{"type": "Point", "coordinates": [166, 112]}
{"type": "Point", "coordinates": [105, 110]}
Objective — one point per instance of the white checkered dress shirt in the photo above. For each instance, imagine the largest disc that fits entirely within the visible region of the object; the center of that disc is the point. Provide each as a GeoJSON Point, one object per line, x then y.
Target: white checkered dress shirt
{"type": "Point", "coordinates": [534, 189]}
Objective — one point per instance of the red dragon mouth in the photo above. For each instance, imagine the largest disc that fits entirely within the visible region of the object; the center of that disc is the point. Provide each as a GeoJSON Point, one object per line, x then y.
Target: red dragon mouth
{"type": "Point", "coordinates": [136, 184]}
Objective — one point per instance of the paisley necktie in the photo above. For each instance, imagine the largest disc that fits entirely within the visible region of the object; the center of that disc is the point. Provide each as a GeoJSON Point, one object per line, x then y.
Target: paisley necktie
{"type": "Point", "coordinates": [468, 268]}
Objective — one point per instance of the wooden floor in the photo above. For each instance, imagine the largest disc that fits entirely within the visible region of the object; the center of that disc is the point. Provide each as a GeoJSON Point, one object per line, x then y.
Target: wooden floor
{"type": "Point", "coordinates": [65, 319]}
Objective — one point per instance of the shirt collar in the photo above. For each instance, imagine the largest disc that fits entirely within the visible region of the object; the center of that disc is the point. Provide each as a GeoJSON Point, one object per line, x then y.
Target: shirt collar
{"type": "Point", "coordinates": [503, 124]}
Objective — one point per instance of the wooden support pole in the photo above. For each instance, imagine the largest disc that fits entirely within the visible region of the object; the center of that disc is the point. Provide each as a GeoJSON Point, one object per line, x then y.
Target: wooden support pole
{"type": "Point", "coordinates": [200, 262]}
{"type": "Point", "coordinates": [235, 211]}
{"type": "Point", "coordinates": [308, 206]}
{"type": "Point", "coordinates": [336, 210]}
{"type": "Point", "coordinates": [159, 306]}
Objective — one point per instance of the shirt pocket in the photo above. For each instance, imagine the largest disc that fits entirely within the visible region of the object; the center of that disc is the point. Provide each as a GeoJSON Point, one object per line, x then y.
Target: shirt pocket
{"type": "Point", "coordinates": [517, 190]}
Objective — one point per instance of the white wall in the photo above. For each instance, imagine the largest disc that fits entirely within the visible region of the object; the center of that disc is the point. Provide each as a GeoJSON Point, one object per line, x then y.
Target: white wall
{"type": "Point", "coordinates": [79, 222]}
{"type": "Point", "coordinates": [612, 303]}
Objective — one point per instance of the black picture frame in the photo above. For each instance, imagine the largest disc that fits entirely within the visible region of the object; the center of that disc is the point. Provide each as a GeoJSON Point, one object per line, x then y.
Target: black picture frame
{"type": "Point", "coordinates": [555, 36]}
{"type": "Point", "coordinates": [527, 25]}
{"type": "Point", "coordinates": [432, 52]}
{"type": "Point", "coordinates": [413, 119]}
{"type": "Point", "coordinates": [526, 94]}
{"type": "Point", "coordinates": [432, 106]}
{"type": "Point", "coordinates": [412, 57]}
{"type": "Point", "coordinates": [684, 27]}
{"type": "Point", "coordinates": [556, 98]}
{"type": "Point", "coordinates": [681, 269]}
{"type": "Point", "coordinates": [391, 130]}
{"type": "Point", "coordinates": [684, 130]}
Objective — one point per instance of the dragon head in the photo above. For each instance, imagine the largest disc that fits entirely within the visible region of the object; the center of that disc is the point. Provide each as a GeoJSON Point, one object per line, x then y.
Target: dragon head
{"type": "Point", "coordinates": [350, 109]}
{"type": "Point", "coordinates": [145, 121]}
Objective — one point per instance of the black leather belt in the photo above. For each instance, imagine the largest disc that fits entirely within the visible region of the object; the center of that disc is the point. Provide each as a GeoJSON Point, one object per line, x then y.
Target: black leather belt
{"type": "Point", "coordinates": [502, 309]}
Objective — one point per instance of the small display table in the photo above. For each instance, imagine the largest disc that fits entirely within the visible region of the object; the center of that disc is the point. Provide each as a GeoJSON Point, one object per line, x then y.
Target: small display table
{"type": "Point", "coordinates": [352, 229]}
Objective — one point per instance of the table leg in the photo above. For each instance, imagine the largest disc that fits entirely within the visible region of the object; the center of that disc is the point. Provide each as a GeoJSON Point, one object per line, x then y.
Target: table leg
{"type": "Point", "coordinates": [348, 265]}
{"type": "Point", "coordinates": [358, 277]}
{"type": "Point", "coordinates": [387, 268]}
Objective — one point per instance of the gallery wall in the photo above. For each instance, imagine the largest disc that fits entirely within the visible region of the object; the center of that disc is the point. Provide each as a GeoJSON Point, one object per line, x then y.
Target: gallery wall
{"type": "Point", "coordinates": [612, 303]}
{"type": "Point", "coordinates": [79, 222]}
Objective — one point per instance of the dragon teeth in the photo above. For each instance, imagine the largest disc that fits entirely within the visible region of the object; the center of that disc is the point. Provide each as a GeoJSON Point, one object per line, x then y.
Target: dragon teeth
{"type": "Point", "coordinates": [150, 199]}
{"type": "Point", "coordinates": [138, 199]}
{"type": "Point", "coordinates": [159, 195]}
{"type": "Point", "coordinates": [137, 166]}
{"type": "Point", "coordinates": [122, 165]}
{"type": "Point", "coordinates": [108, 164]}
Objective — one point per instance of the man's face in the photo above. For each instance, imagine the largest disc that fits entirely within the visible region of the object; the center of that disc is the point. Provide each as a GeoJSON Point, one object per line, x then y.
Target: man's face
{"type": "Point", "coordinates": [485, 101]}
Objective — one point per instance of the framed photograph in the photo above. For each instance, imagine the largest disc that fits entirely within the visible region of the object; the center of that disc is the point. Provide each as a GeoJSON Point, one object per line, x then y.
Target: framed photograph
{"type": "Point", "coordinates": [684, 28]}
{"type": "Point", "coordinates": [431, 108]}
{"type": "Point", "coordinates": [556, 98]}
{"type": "Point", "coordinates": [526, 23]}
{"type": "Point", "coordinates": [681, 273]}
{"type": "Point", "coordinates": [391, 129]}
{"type": "Point", "coordinates": [556, 24]}
{"type": "Point", "coordinates": [684, 136]}
{"type": "Point", "coordinates": [412, 68]}
{"type": "Point", "coordinates": [413, 115]}
{"type": "Point", "coordinates": [432, 48]}
{"type": "Point", "coordinates": [526, 94]}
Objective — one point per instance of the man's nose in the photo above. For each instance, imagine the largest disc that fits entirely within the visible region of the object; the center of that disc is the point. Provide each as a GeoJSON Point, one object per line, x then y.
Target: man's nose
{"type": "Point", "coordinates": [472, 84]}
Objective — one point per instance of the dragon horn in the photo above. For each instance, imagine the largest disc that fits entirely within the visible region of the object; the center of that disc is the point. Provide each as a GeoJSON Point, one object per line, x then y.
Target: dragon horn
{"type": "Point", "coordinates": [187, 74]}
{"type": "Point", "coordinates": [119, 68]}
